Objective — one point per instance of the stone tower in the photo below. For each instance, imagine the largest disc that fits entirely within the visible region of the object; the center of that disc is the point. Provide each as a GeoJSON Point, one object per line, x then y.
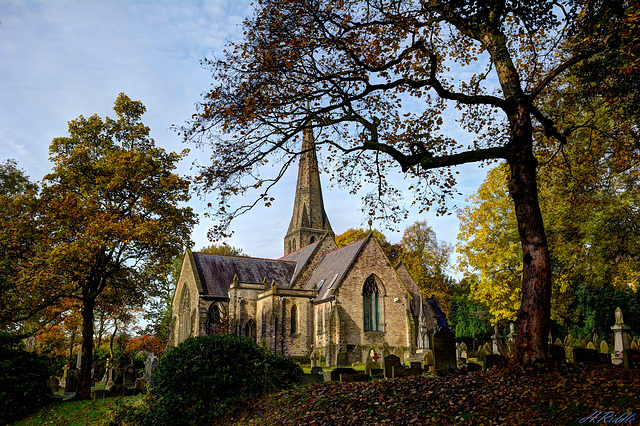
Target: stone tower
{"type": "Point", "coordinates": [309, 221]}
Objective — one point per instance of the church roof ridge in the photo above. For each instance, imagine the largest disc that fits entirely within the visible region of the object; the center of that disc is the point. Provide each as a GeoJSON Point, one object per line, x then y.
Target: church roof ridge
{"type": "Point", "coordinates": [243, 257]}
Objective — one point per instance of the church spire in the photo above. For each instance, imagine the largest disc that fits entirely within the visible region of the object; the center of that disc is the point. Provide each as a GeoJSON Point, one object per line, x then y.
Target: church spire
{"type": "Point", "coordinates": [309, 222]}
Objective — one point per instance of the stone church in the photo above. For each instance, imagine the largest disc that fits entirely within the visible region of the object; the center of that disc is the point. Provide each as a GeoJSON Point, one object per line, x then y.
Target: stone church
{"type": "Point", "coordinates": [347, 303]}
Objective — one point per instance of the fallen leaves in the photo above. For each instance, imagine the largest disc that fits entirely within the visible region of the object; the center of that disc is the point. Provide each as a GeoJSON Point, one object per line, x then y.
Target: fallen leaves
{"type": "Point", "coordinates": [545, 395]}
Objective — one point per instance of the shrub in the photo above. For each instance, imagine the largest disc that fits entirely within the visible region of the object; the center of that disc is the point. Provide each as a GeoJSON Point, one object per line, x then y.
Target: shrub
{"type": "Point", "coordinates": [209, 376]}
{"type": "Point", "coordinates": [23, 382]}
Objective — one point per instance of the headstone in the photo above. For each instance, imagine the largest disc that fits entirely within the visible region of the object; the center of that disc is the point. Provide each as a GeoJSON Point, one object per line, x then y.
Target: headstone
{"type": "Point", "coordinates": [79, 359]}
{"type": "Point", "coordinates": [444, 350]}
{"type": "Point", "coordinates": [492, 360]}
{"type": "Point", "coordinates": [73, 377]}
{"type": "Point", "coordinates": [558, 342]}
{"type": "Point", "coordinates": [358, 377]}
{"type": "Point", "coordinates": [334, 375]}
{"type": "Point", "coordinates": [496, 340]}
{"type": "Point", "coordinates": [590, 345]}
{"type": "Point", "coordinates": [429, 359]}
{"type": "Point", "coordinates": [371, 366]}
{"type": "Point", "coordinates": [596, 340]}
{"type": "Point", "coordinates": [511, 337]}
{"type": "Point", "coordinates": [65, 373]}
{"type": "Point", "coordinates": [604, 347]}
{"type": "Point", "coordinates": [398, 371]}
{"type": "Point", "coordinates": [620, 337]}
{"type": "Point", "coordinates": [473, 366]}
{"type": "Point", "coordinates": [140, 384]}
{"type": "Point", "coordinates": [129, 374]}
{"type": "Point", "coordinates": [487, 348]}
{"type": "Point", "coordinates": [149, 365]}
{"type": "Point", "coordinates": [480, 354]}
{"type": "Point", "coordinates": [389, 362]}
{"type": "Point", "coordinates": [54, 384]}
{"type": "Point", "coordinates": [342, 359]}
{"type": "Point", "coordinates": [586, 356]}
{"type": "Point", "coordinates": [605, 358]}
{"type": "Point", "coordinates": [357, 355]}
{"type": "Point", "coordinates": [557, 353]}
{"type": "Point", "coordinates": [631, 359]}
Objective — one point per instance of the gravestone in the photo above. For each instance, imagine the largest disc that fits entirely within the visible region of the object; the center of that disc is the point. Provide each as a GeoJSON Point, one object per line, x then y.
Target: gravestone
{"type": "Point", "coordinates": [620, 337]}
{"type": "Point", "coordinates": [129, 376]}
{"type": "Point", "coordinates": [480, 354]}
{"type": "Point", "coordinates": [591, 345]}
{"type": "Point", "coordinates": [389, 362]}
{"type": "Point", "coordinates": [54, 384]}
{"type": "Point", "coordinates": [65, 373]}
{"type": "Point", "coordinates": [429, 360]}
{"type": "Point", "coordinates": [631, 359]}
{"type": "Point", "coordinates": [558, 342]}
{"type": "Point", "coordinates": [604, 347]}
{"type": "Point", "coordinates": [494, 360]}
{"type": "Point", "coordinates": [487, 348]}
{"type": "Point", "coordinates": [357, 355]}
{"type": "Point", "coordinates": [73, 377]}
{"type": "Point", "coordinates": [463, 352]}
{"type": "Point", "coordinates": [605, 358]}
{"type": "Point", "coordinates": [596, 340]}
{"type": "Point", "coordinates": [398, 371]}
{"type": "Point", "coordinates": [342, 359]}
{"type": "Point", "coordinates": [511, 337]}
{"type": "Point", "coordinates": [371, 366]}
{"type": "Point", "coordinates": [358, 377]}
{"type": "Point", "coordinates": [140, 385]}
{"type": "Point", "coordinates": [586, 356]}
{"type": "Point", "coordinates": [334, 375]}
{"type": "Point", "coordinates": [149, 364]}
{"type": "Point", "coordinates": [444, 350]}
{"type": "Point", "coordinates": [496, 340]}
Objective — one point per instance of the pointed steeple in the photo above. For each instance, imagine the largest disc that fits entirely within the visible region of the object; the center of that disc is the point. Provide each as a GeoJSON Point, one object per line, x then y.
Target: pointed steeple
{"type": "Point", "coordinates": [309, 221]}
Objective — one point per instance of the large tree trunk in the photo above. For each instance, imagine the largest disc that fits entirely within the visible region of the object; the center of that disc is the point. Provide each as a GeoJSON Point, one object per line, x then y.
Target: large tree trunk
{"type": "Point", "coordinates": [534, 314]}
{"type": "Point", "coordinates": [84, 385]}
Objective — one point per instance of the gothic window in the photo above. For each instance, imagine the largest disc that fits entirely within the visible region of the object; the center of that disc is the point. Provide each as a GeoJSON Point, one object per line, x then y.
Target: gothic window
{"type": "Point", "coordinates": [184, 330]}
{"type": "Point", "coordinates": [214, 318]}
{"type": "Point", "coordinates": [264, 322]}
{"type": "Point", "coordinates": [294, 319]}
{"type": "Point", "coordinates": [371, 305]}
{"type": "Point", "coordinates": [294, 245]}
{"type": "Point", "coordinates": [320, 319]}
{"type": "Point", "coordinates": [249, 329]}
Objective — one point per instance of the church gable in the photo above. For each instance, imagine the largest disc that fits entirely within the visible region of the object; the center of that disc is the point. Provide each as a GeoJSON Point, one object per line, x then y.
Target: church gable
{"type": "Point", "coordinates": [308, 258]}
{"type": "Point", "coordinates": [332, 269]}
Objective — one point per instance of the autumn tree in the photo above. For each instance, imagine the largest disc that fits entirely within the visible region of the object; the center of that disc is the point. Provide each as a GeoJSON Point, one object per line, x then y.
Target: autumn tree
{"type": "Point", "coordinates": [427, 260]}
{"type": "Point", "coordinates": [374, 79]}
{"type": "Point", "coordinates": [111, 213]}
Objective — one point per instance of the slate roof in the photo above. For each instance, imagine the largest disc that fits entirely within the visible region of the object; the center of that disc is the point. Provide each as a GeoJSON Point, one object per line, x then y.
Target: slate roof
{"type": "Point", "coordinates": [300, 257]}
{"type": "Point", "coordinates": [333, 268]}
{"type": "Point", "coordinates": [442, 318]}
{"type": "Point", "coordinates": [216, 272]}
{"type": "Point", "coordinates": [410, 285]}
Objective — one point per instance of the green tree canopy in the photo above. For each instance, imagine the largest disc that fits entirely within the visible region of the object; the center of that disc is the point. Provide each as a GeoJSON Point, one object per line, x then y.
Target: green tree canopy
{"type": "Point", "coordinates": [110, 217]}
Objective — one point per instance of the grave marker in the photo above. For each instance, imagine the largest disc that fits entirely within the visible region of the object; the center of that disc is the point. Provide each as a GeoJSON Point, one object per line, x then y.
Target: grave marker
{"type": "Point", "coordinates": [444, 349]}
{"type": "Point", "coordinates": [389, 362]}
{"type": "Point", "coordinates": [586, 356]}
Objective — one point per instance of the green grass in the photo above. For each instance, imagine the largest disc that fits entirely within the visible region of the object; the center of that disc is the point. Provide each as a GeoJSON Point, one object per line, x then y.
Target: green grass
{"type": "Point", "coordinates": [76, 413]}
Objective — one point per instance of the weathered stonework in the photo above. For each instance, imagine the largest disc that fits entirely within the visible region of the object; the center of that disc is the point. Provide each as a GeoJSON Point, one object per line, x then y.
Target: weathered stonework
{"type": "Point", "coordinates": [346, 305]}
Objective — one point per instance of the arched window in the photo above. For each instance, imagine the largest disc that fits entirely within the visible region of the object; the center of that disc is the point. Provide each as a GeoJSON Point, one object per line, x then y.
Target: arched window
{"type": "Point", "coordinates": [184, 330]}
{"type": "Point", "coordinates": [371, 305]}
{"type": "Point", "coordinates": [294, 245]}
{"type": "Point", "coordinates": [294, 319]}
{"type": "Point", "coordinates": [214, 317]}
{"type": "Point", "coordinates": [264, 321]}
{"type": "Point", "coordinates": [249, 329]}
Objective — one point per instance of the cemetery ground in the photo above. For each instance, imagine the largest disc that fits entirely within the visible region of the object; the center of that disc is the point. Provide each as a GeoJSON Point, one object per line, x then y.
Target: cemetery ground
{"type": "Point", "coordinates": [548, 394]}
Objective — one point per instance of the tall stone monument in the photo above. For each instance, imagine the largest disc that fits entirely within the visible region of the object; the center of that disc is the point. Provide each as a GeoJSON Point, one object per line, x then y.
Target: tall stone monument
{"type": "Point", "coordinates": [620, 337]}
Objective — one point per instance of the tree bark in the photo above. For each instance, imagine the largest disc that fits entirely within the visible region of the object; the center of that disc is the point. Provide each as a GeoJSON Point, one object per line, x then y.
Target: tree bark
{"type": "Point", "coordinates": [84, 385]}
{"type": "Point", "coordinates": [534, 315]}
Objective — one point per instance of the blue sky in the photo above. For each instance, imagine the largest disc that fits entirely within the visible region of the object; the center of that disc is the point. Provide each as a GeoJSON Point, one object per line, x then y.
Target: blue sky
{"type": "Point", "coordinates": [61, 59]}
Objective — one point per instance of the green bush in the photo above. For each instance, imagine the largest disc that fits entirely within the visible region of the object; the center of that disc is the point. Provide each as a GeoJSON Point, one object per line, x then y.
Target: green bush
{"type": "Point", "coordinates": [23, 382]}
{"type": "Point", "coordinates": [208, 377]}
